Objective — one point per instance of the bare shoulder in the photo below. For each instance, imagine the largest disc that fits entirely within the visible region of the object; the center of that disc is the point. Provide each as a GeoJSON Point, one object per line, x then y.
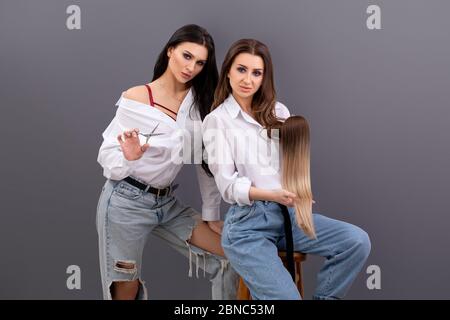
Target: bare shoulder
{"type": "Point", "coordinates": [137, 93]}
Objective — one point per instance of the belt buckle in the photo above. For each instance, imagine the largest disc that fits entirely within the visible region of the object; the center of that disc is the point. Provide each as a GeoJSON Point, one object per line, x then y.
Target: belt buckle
{"type": "Point", "coordinates": [158, 192]}
{"type": "Point", "coordinates": [166, 190]}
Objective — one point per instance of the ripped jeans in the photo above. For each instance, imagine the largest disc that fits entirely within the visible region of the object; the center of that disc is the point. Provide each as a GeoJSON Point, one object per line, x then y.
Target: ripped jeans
{"type": "Point", "coordinates": [126, 216]}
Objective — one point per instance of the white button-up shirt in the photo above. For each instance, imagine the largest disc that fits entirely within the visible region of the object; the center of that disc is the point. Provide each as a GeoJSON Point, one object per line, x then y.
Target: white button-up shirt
{"type": "Point", "coordinates": [240, 154]}
{"type": "Point", "coordinates": [180, 143]}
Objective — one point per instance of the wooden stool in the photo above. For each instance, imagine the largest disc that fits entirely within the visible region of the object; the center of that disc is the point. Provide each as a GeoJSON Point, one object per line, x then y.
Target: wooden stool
{"type": "Point", "coordinates": [244, 294]}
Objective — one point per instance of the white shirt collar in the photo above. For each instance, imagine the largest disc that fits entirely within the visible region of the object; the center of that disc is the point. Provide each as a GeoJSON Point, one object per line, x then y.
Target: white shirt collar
{"type": "Point", "coordinates": [187, 101]}
{"type": "Point", "coordinates": [233, 108]}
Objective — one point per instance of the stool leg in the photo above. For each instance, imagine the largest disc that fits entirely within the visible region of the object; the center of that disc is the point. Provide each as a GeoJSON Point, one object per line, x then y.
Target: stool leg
{"type": "Point", "coordinates": [300, 278]}
{"type": "Point", "coordinates": [243, 293]}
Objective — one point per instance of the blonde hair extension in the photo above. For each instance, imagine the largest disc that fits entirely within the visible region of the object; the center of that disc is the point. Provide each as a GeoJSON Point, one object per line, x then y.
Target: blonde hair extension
{"type": "Point", "coordinates": [296, 178]}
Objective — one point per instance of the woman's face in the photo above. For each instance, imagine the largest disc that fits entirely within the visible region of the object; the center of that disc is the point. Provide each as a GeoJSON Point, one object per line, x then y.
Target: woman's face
{"type": "Point", "coordinates": [187, 60]}
{"type": "Point", "coordinates": [246, 75]}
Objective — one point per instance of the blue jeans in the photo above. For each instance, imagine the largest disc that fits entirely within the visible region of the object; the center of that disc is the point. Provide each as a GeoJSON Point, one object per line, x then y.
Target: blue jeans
{"type": "Point", "coordinates": [252, 236]}
{"type": "Point", "coordinates": [126, 216]}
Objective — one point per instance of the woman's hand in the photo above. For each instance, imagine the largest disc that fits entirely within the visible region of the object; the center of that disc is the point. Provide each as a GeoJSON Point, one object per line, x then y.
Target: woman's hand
{"type": "Point", "coordinates": [216, 226]}
{"type": "Point", "coordinates": [284, 197]}
{"type": "Point", "coordinates": [130, 145]}
{"type": "Point", "coordinates": [281, 196]}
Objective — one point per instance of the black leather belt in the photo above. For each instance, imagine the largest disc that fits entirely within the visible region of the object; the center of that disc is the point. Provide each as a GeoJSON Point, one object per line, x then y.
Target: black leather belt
{"type": "Point", "coordinates": [289, 241]}
{"type": "Point", "coordinates": [148, 188]}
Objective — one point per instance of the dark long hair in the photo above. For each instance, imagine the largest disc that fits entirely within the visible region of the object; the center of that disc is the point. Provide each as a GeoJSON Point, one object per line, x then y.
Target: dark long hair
{"type": "Point", "coordinates": [206, 81]}
{"type": "Point", "coordinates": [263, 103]}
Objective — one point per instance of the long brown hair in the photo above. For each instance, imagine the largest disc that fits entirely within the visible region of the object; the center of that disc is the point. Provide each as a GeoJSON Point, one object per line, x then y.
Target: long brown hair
{"type": "Point", "coordinates": [263, 103]}
{"type": "Point", "coordinates": [296, 177]}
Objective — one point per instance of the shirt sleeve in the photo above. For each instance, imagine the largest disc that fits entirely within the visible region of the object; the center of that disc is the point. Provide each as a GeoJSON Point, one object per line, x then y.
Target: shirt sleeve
{"type": "Point", "coordinates": [110, 156]}
{"type": "Point", "coordinates": [210, 194]}
{"type": "Point", "coordinates": [232, 187]}
{"type": "Point", "coordinates": [282, 111]}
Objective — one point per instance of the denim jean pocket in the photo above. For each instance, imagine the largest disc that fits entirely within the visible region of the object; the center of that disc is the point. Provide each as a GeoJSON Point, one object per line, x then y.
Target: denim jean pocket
{"type": "Point", "coordinates": [127, 191]}
{"type": "Point", "coordinates": [243, 213]}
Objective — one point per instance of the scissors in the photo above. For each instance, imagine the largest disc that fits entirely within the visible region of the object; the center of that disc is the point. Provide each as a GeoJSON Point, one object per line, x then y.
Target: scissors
{"type": "Point", "coordinates": [148, 135]}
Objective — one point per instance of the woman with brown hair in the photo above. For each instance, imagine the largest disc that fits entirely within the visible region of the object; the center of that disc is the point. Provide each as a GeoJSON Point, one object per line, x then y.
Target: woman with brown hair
{"type": "Point", "coordinates": [244, 158]}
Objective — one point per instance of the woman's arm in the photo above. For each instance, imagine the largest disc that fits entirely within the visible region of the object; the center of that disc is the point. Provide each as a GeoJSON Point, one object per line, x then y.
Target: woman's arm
{"type": "Point", "coordinates": [234, 188]}
{"type": "Point", "coordinates": [111, 157]}
{"type": "Point", "coordinates": [114, 164]}
{"type": "Point", "coordinates": [211, 199]}
{"type": "Point", "coordinates": [119, 148]}
{"type": "Point", "coordinates": [210, 195]}
{"type": "Point", "coordinates": [281, 196]}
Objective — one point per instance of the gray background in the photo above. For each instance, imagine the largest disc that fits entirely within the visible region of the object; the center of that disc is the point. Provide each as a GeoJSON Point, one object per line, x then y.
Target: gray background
{"type": "Point", "coordinates": [377, 102]}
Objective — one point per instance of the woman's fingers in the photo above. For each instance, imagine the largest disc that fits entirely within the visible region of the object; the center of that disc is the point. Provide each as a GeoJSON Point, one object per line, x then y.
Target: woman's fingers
{"type": "Point", "coordinates": [131, 133]}
{"type": "Point", "coordinates": [289, 194]}
{"type": "Point", "coordinates": [288, 200]}
{"type": "Point", "coordinates": [135, 132]}
{"type": "Point", "coordinates": [145, 147]}
{"type": "Point", "coordinates": [292, 195]}
{"type": "Point", "coordinates": [127, 134]}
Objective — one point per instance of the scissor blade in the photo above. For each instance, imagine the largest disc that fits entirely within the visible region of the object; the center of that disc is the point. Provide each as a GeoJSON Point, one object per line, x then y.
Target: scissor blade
{"type": "Point", "coordinates": [155, 128]}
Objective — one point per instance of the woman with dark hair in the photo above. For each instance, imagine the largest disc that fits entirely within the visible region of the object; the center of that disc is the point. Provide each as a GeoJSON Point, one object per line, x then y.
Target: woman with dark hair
{"type": "Point", "coordinates": [156, 129]}
{"type": "Point", "coordinates": [243, 155]}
